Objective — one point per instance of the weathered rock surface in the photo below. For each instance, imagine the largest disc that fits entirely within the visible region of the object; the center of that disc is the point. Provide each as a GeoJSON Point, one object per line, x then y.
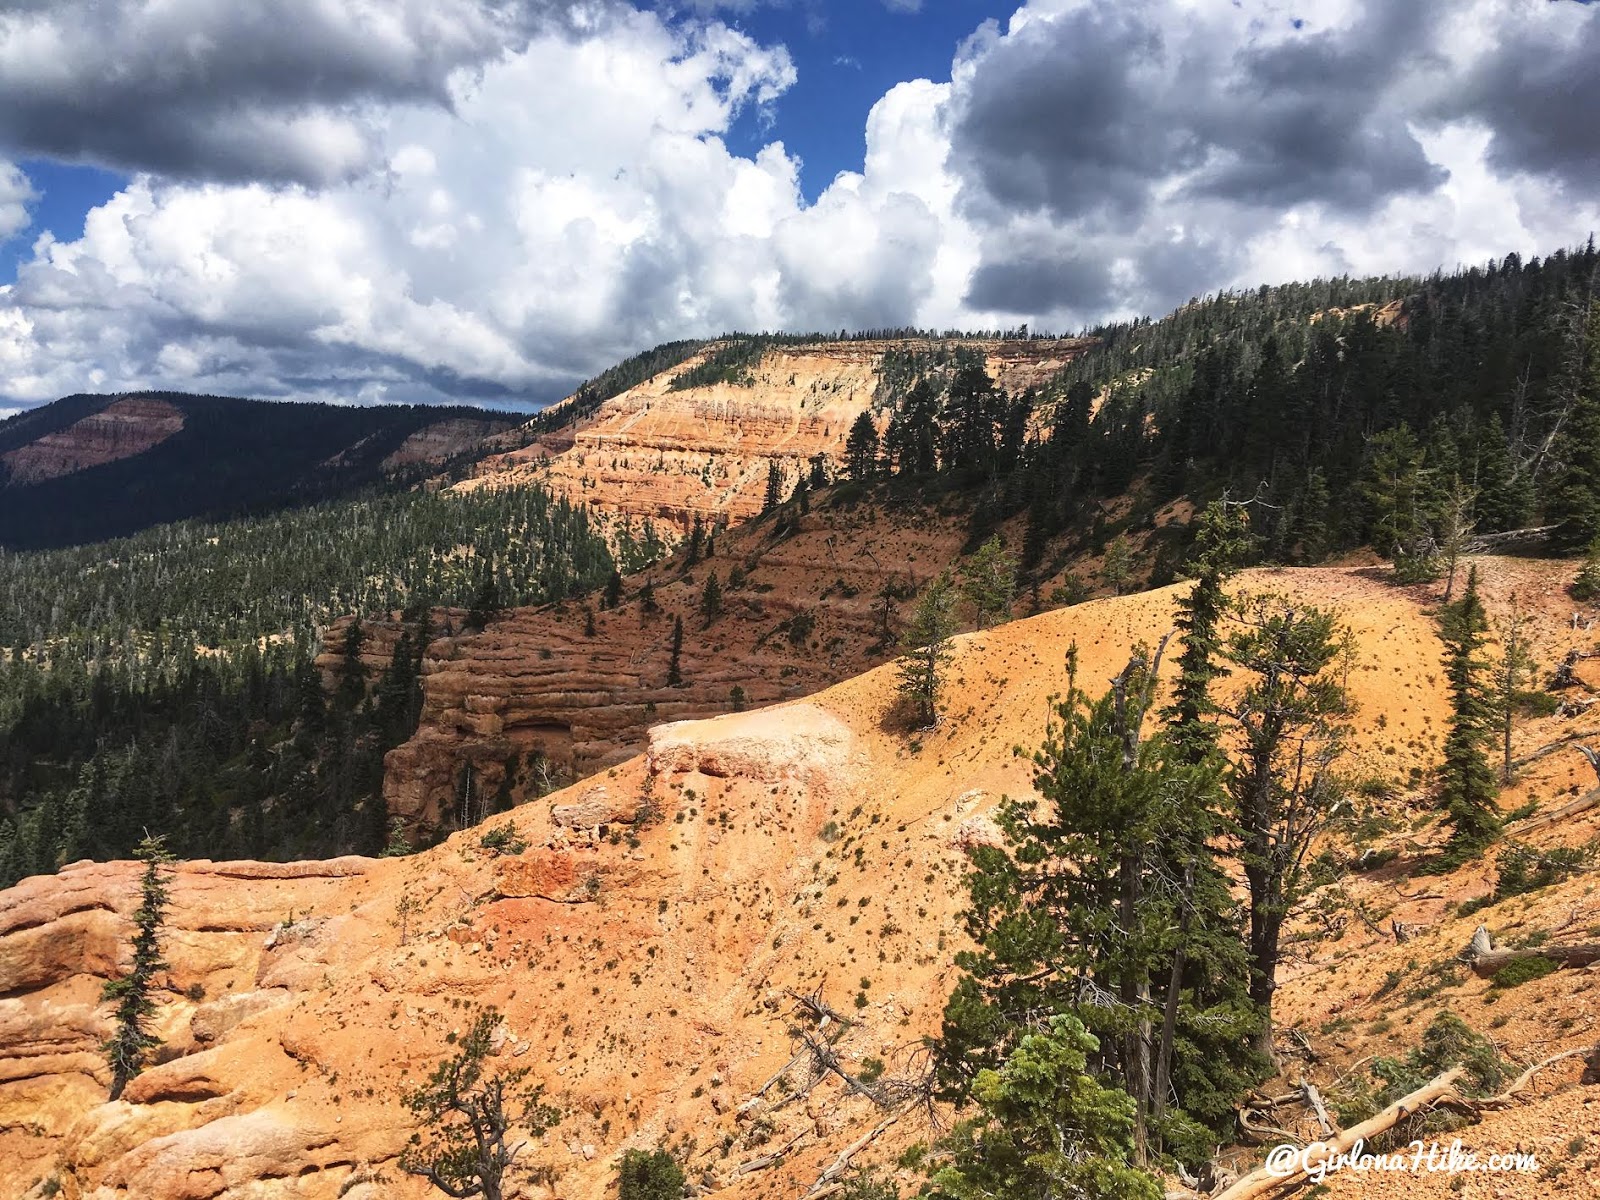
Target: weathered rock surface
{"type": "Point", "coordinates": [534, 687]}
{"type": "Point", "coordinates": [643, 977]}
{"type": "Point", "coordinates": [121, 429]}
{"type": "Point", "coordinates": [671, 456]}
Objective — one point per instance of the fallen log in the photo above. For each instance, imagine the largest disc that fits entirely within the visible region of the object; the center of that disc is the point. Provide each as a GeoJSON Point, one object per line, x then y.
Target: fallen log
{"type": "Point", "coordinates": [1487, 966]}
{"type": "Point", "coordinates": [1441, 1089]}
{"type": "Point", "coordinates": [1582, 804]}
{"type": "Point", "coordinates": [1551, 747]}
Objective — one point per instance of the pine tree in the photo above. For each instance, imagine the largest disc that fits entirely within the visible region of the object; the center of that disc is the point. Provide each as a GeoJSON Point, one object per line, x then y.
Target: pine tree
{"type": "Point", "coordinates": [1048, 1128]}
{"type": "Point", "coordinates": [1222, 539]}
{"type": "Point", "coordinates": [675, 663]}
{"type": "Point", "coordinates": [711, 600]}
{"type": "Point", "coordinates": [613, 593]}
{"type": "Point", "coordinates": [353, 672]}
{"type": "Point", "coordinates": [1586, 584]}
{"type": "Point", "coordinates": [1456, 523]}
{"type": "Point", "coordinates": [1283, 788]}
{"type": "Point", "coordinates": [1467, 788]}
{"type": "Point", "coordinates": [989, 582]}
{"type": "Point", "coordinates": [1575, 494]}
{"type": "Point", "coordinates": [861, 449]}
{"type": "Point", "coordinates": [128, 1048]}
{"type": "Point", "coordinates": [486, 605]}
{"type": "Point", "coordinates": [1511, 669]}
{"type": "Point", "coordinates": [697, 543]}
{"type": "Point", "coordinates": [1117, 568]}
{"type": "Point", "coordinates": [774, 492]}
{"type": "Point", "coordinates": [467, 1109]}
{"type": "Point", "coordinates": [1082, 912]}
{"type": "Point", "coordinates": [926, 647]}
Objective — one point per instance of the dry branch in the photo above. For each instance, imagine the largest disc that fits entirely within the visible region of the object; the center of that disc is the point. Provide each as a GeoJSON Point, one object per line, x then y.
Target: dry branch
{"type": "Point", "coordinates": [841, 1163]}
{"type": "Point", "coordinates": [1582, 804]}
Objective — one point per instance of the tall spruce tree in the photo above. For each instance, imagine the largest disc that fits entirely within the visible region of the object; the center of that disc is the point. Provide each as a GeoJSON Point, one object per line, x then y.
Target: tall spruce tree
{"type": "Point", "coordinates": [1079, 913]}
{"type": "Point", "coordinates": [1467, 787]}
{"type": "Point", "coordinates": [774, 493]}
{"type": "Point", "coordinates": [1575, 498]}
{"type": "Point", "coordinates": [989, 582]}
{"type": "Point", "coordinates": [130, 1044]}
{"type": "Point", "coordinates": [925, 646]}
{"type": "Point", "coordinates": [675, 663]}
{"type": "Point", "coordinates": [1047, 1128]}
{"type": "Point", "coordinates": [711, 600]}
{"type": "Point", "coordinates": [861, 449]}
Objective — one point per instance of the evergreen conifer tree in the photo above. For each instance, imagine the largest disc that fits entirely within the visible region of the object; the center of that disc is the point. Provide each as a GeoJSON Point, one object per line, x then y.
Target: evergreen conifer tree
{"type": "Point", "coordinates": [1467, 787]}
{"type": "Point", "coordinates": [675, 663]}
{"type": "Point", "coordinates": [711, 600]}
{"type": "Point", "coordinates": [774, 493]}
{"type": "Point", "coordinates": [130, 1045]}
{"type": "Point", "coordinates": [989, 582]}
{"type": "Point", "coordinates": [861, 449]}
{"type": "Point", "coordinates": [926, 649]}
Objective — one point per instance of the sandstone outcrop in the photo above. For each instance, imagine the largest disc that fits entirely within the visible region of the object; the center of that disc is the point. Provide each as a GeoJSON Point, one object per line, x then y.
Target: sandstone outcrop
{"type": "Point", "coordinates": [671, 456]}
{"type": "Point", "coordinates": [534, 688]}
{"type": "Point", "coordinates": [121, 429]}
{"type": "Point", "coordinates": [644, 977]}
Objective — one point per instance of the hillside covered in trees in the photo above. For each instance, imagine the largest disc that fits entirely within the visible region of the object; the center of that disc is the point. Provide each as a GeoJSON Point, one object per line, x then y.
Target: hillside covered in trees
{"type": "Point", "coordinates": [166, 682]}
{"type": "Point", "coordinates": [1395, 413]}
{"type": "Point", "coordinates": [88, 468]}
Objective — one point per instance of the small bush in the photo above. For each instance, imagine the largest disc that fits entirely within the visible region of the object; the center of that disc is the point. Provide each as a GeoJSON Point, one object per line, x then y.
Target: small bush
{"type": "Point", "coordinates": [1524, 970]}
{"type": "Point", "coordinates": [1523, 869]}
{"type": "Point", "coordinates": [503, 839]}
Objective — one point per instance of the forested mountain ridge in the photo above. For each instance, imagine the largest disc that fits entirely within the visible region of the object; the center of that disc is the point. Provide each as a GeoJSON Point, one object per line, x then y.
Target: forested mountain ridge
{"type": "Point", "coordinates": [938, 832]}
{"type": "Point", "coordinates": [87, 468]}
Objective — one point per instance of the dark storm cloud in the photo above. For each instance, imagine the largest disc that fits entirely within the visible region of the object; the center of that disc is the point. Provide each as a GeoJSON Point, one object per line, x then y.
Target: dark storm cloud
{"type": "Point", "coordinates": [1069, 116]}
{"type": "Point", "coordinates": [1540, 98]}
{"type": "Point", "coordinates": [1092, 118]}
{"type": "Point", "coordinates": [1089, 112]}
{"type": "Point", "coordinates": [268, 90]}
{"type": "Point", "coordinates": [1039, 283]}
{"type": "Point", "coordinates": [1311, 118]}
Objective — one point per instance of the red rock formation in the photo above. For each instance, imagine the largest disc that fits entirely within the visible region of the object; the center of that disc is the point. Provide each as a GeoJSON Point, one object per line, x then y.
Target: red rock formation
{"type": "Point", "coordinates": [673, 455]}
{"type": "Point", "coordinates": [644, 973]}
{"type": "Point", "coordinates": [120, 430]}
{"type": "Point", "coordinates": [443, 440]}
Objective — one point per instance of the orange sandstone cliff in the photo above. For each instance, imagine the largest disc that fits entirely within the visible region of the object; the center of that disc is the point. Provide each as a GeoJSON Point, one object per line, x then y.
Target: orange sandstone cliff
{"type": "Point", "coordinates": [646, 948]}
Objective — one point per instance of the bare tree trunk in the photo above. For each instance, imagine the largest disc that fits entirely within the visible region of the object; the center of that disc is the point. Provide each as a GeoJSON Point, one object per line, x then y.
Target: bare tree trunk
{"type": "Point", "coordinates": [1487, 966]}
{"type": "Point", "coordinates": [1169, 1017]}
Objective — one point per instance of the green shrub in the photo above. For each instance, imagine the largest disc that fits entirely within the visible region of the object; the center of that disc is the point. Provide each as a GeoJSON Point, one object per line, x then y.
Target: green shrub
{"type": "Point", "coordinates": [1524, 970]}
{"type": "Point", "coordinates": [504, 839]}
{"type": "Point", "coordinates": [654, 1175]}
{"type": "Point", "coordinates": [1522, 869]}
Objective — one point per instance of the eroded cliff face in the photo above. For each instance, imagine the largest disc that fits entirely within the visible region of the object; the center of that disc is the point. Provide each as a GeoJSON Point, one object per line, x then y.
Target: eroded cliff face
{"type": "Point", "coordinates": [671, 456]}
{"type": "Point", "coordinates": [120, 430]}
{"type": "Point", "coordinates": [535, 687]}
{"type": "Point", "coordinates": [444, 440]}
{"type": "Point", "coordinates": [647, 948]}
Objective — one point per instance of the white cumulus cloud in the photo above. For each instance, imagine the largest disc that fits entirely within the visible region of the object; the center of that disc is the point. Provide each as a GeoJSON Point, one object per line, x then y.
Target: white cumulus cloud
{"type": "Point", "coordinates": [458, 212]}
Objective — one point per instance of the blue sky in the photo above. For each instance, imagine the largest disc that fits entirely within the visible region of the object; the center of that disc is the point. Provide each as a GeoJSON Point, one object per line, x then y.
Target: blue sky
{"type": "Point", "coordinates": [373, 201]}
{"type": "Point", "coordinates": [848, 55]}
